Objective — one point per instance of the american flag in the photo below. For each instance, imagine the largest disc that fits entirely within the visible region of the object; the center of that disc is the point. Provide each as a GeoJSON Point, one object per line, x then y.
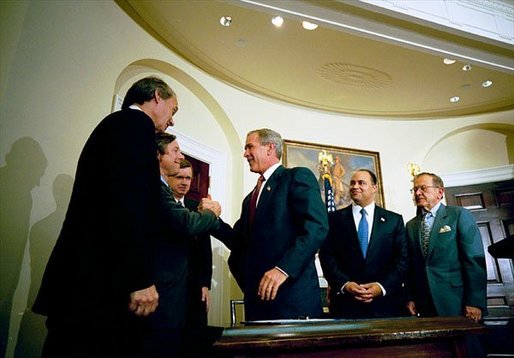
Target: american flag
{"type": "Point", "coordinates": [329, 195]}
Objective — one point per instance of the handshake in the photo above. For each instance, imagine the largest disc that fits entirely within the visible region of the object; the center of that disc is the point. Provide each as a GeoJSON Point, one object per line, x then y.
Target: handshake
{"type": "Point", "coordinates": [209, 204]}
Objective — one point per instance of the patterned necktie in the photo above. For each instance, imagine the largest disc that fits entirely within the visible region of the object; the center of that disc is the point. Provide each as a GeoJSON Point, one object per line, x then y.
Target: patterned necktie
{"type": "Point", "coordinates": [362, 233]}
{"type": "Point", "coordinates": [425, 232]}
{"type": "Point", "coordinates": [253, 199]}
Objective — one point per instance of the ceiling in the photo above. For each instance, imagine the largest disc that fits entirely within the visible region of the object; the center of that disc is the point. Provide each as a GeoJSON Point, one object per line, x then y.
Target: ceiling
{"type": "Point", "coordinates": [359, 61]}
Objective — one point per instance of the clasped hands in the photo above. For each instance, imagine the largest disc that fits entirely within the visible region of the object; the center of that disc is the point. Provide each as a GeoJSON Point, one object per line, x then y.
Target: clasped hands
{"type": "Point", "coordinates": [209, 204]}
{"type": "Point", "coordinates": [364, 292]}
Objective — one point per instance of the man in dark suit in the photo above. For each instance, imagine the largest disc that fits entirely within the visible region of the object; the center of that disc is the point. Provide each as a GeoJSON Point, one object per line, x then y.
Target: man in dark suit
{"type": "Point", "coordinates": [366, 280]}
{"type": "Point", "coordinates": [273, 250]}
{"type": "Point", "coordinates": [99, 276]}
{"type": "Point", "coordinates": [180, 227]}
{"type": "Point", "coordinates": [200, 266]}
{"type": "Point", "coordinates": [448, 271]}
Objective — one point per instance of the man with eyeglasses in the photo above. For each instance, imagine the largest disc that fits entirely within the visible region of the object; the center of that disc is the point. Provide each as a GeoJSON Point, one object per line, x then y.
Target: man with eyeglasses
{"type": "Point", "coordinates": [448, 271]}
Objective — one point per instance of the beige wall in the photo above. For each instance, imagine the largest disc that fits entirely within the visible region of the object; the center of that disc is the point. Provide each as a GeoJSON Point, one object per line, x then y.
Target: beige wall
{"type": "Point", "coordinates": [62, 62]}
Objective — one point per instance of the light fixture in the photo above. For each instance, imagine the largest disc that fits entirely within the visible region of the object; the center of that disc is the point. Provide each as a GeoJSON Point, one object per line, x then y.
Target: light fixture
{"type": "Point", "coordinates": [277, 21]}
{"type": "Point", "coordinates": [225, 21]}
{"type": "Point", "coordinates": [455, 99]}
{"type": "Point", "coordinates": [487, 83]}
{"type": "Point", "coordinates": [449, 61]}
{"type": "Point", "coordinates": [309, 25]}
{"type": "Point", "coordinates": [466, 68]}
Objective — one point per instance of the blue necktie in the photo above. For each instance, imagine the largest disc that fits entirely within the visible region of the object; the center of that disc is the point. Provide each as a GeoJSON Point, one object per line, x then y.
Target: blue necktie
{"type": "Point", "coordinates": [362, 232]}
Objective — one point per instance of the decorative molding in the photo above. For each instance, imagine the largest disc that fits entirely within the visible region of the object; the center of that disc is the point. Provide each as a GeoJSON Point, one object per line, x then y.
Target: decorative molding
{"type": "Point", "coordinates": [479, 176]}
{"type": "Point", "coordinates": [493, 19]}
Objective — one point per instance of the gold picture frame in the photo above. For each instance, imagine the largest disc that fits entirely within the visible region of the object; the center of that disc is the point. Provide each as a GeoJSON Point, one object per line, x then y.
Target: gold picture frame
{"type": "Point", "coordinates": [336, 162]}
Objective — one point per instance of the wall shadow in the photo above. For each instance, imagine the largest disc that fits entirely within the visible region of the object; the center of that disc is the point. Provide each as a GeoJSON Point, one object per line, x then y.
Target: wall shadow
{"type": "Point", "coordinates": [42, 238]}
{"type": "Point", "coordinates": [25, 165]}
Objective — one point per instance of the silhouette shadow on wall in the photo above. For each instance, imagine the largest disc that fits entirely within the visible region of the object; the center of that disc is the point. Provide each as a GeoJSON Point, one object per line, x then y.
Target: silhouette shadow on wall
{"type": "Point", "coordinates": [42, 238]}
{"type": "Point", "coordinates": [25, 165]}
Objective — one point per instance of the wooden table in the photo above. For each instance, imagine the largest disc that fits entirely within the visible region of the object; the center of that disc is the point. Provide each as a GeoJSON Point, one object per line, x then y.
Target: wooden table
{"type": "Point", "coordinates": [395, 337]}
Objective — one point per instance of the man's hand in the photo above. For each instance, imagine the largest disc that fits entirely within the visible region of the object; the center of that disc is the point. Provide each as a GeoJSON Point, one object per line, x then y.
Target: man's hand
{"type": "Point", "coordinates": [411, 306]}
{"type": "Point", "coordinates": [359, 292]}
{"type": "Point", "coordinates": [473, 313]}
{"type": "Point", "coordinates": [206, 298]}
{"type": "Point", "coordinates": [144, 302]}
{"type": "Point", "coordinates": [373, 288]}
{"type": "Point", "coordinates": [208, 204]}
{"type": "Point", "coordinates": [270, 282]}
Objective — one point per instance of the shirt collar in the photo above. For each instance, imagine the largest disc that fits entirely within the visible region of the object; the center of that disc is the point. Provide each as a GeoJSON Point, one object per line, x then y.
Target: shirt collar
{"type": "Point", "coordinates": [370, 209]}
{"type": "Point", "coordinates": [164, 181]}
{"type": "Point", "coordinates": [136, 107]}
{"type": "Point", "coordinates": [434, 209]}
{"type": "Point", "coordinates": [269, 172]}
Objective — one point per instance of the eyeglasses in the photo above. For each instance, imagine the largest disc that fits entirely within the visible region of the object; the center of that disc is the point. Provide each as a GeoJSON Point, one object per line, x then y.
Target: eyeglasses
{"type": "Point", "coordinates": [423, 188]}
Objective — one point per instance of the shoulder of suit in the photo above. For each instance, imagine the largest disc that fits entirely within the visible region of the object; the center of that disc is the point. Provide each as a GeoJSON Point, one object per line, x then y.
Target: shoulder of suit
{"type": "Point", "coordinates": [130, 119]}
{"type": "Point", "coordinates": [342, 211]}
{"type": "Point", "coordinates": [383, 211]}
{"type": "Point", "coordinates": [299, 171]}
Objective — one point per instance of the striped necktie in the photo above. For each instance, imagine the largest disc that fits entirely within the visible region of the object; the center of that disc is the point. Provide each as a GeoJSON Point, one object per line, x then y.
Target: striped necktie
{"type": "Point", "coordinates": [425, 232]}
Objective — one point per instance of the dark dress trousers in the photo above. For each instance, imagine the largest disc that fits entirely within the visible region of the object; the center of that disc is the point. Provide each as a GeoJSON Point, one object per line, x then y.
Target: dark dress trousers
{"type": "Point", "coordinates": [179, 227]}
{"type": "Point", "coordinates": [289, 227]}
{"type": "Point", "coordinates": [200, 273]}
{"type": "Point", "coordinates": [453, 274]}
{"type": "Point", "coordinates": [386, 262]}
{"type": "Point", "coordinates": [105, 248]}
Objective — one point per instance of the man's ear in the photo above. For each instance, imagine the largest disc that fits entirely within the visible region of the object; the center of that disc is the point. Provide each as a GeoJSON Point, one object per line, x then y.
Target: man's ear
{"type": "Point", "coordinates": [271, 148]}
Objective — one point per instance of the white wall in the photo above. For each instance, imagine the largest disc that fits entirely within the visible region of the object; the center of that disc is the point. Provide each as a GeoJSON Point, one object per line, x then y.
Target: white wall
{"type": "Point", "coordinates": [62, 62]}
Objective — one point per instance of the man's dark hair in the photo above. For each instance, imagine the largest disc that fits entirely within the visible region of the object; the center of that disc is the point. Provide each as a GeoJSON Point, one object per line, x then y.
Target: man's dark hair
{"type": "Point", "coordinates": [163, 139]}
{"type": "Point", "coordinates": [184, 163]}
{"type": "Point", "coordinates": [371, 174]}
{"type": "Point", "coordinates": [144, 90]}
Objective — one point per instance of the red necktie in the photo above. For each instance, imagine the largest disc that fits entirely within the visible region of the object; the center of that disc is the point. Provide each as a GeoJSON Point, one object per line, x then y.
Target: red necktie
{"type": "Point", "coordinates": [253, 199]}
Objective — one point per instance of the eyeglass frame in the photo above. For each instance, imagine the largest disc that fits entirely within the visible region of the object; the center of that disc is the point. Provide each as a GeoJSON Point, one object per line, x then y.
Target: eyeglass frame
{"type": "Point", "coordinates": [423, 188]}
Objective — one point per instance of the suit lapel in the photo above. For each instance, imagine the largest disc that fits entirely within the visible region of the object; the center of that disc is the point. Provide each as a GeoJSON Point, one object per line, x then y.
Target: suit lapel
{"type": "Point", "coordinates": [379, 220]}
{"type": "Point", "coordinates": [416, 234]}
{"type": "Point", "coordinates": [270, 185]}
{"type": "Point", "coordinates": [348, 231]}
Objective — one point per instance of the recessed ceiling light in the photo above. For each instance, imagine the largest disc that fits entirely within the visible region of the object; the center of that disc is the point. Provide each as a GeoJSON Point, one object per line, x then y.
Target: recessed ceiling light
{"type": "Point", "coordinates": [466, 68]}
{"type": "Point", "coordinates": [277, 21]}
{"type": "Point", "coordinates": [449, 61]}
{"type": "Point", "coordinates": [225, 21]}
{"type": "Point", "coordinates": [455, 99]}
{"type": "Point", "coordinates": [487, 83]}
{"type": "Point", "coordinates": [309, 26]}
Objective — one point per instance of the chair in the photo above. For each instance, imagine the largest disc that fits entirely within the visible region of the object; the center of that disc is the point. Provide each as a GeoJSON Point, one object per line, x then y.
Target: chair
{"type": "Point", "coordinates": [233, 304]}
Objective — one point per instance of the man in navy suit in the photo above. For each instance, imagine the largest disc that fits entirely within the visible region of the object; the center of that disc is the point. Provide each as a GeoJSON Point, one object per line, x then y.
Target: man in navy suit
{"type": "Point", "coordinates": [180, 227]}
{"type": "Point", "coordinates": [273, 251]}
{"type": "Point", "coordinates": [199, 268]}
{"type": "Point", "coordinates": [99, 276]}
{"type": "Point", "coordinates": [448, 272]}
{"type": "Point", "coordinates": [365, 268]}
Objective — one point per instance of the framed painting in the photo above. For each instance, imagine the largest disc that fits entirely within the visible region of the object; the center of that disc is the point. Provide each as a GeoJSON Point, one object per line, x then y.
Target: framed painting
{"type": "Point", "coordinates": [333, 166]}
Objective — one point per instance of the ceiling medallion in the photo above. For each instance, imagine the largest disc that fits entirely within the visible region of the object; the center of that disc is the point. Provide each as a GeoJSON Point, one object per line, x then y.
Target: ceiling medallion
{"type": "Point", "coordinates": [353, 75]}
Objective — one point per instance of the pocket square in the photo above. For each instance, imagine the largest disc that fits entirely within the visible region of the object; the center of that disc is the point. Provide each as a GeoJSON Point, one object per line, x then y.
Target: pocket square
{"type": "Point", "coordinates": [445, 228]}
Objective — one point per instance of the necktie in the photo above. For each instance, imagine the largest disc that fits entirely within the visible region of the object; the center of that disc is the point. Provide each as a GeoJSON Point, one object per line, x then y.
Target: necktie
{"type": "Point", "coordinates": [425, 232]}
{"type": "Point", "coordinates": [253, 199]}
{"type": "Point", "coordinates": [362, 232]}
